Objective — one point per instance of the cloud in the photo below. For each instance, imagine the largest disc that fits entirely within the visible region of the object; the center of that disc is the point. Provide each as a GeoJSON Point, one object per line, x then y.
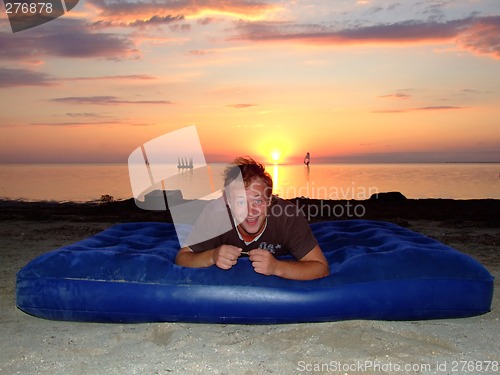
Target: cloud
{"type": "Point", "coordinates": [438, 108]}
{"type": "Point", "coordinates": [160, 12]}
{"type": "Point", "coordinates": [105, 100]}
{"type": "Point", "coordinates": [480, 35]}
{"type": "Point", "coordinates": [184, 7]}
{"type": "Point", "coordinates": [77, 124]}
{"type": "Point", "coordinates": [398, 95]}
{"type": "Point", "coordinates": [157, 20]}
{"type": "Point", "coordinates": [482, 38]}
{"type": "Point", "coordinates": [322, 34]}
{"type": "Point", "coordinates": [73, 39]}
{"type": "Point", "coordinates": [241, 105]}
{"type": "Point", "coordinates": [132, 21]}
{"type": "Point", "coordinates": [199, 52]}
{"type": "Point", "coordinates": [83, 115]}
{"type": "Point", "coordinates": [89, 123]}
{"type": "Point", "coordinates": [206, 21]}
{"type": "Point", "coordinates": [435, 10]}
{"type": "Point", "coordinates": [429, 108]}
{"type": "Point", "coordinates": [24, 77]}
{"type": "Point", "coordinates": [140, 77]}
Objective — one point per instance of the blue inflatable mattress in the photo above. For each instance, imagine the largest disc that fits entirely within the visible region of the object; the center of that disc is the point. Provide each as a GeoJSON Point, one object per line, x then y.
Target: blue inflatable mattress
{"type": "Point", "coordinates": [378, 271]}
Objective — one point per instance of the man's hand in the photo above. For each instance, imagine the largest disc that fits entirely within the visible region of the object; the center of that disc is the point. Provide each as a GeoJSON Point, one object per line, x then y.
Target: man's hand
{"type": "Point", "coordinates": [226, 256]}
{"type": "Point", "coordinates": [311, 266]}
{"type": "Point", "coordinates": [263, 261]}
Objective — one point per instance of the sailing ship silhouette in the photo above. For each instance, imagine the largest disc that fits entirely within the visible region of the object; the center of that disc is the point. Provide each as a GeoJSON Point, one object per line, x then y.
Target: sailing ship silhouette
{"type": "Point", "coordinates": [182, 163]}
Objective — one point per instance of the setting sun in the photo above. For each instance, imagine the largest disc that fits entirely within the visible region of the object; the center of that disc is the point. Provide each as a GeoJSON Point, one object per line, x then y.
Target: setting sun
{"type": "Point", "coordinates": [275, 156]}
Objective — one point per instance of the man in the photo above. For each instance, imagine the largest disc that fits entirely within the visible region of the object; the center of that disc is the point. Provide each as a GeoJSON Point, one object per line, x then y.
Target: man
{"type": "Point", "coordinates": [264, 228]}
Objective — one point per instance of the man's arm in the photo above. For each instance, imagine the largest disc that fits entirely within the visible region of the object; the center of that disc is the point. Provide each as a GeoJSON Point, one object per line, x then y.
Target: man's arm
{"type": "Point", "coordinates": [312, 266]}
{"type": "Point", "coordinates": [224, 256]}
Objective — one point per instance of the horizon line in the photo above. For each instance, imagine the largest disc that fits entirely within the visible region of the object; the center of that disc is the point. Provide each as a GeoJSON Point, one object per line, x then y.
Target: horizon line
{"type": "Point", "coordinates": [270, 163]}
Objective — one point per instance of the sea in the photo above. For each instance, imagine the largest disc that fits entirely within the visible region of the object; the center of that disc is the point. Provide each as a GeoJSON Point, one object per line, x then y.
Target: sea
{"type": "Point", "coordinates": [90, 182]}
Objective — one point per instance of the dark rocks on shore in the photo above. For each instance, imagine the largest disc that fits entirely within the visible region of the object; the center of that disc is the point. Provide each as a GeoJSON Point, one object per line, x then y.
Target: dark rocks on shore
{"type": "Point", "coordinates": [114, 211]}
{"type": "Point", "coordinates": [399, 210]}
{"type": "Point", "coordinates": [386, 206]}
{"type": "Point", "coordinates": [389, 197]}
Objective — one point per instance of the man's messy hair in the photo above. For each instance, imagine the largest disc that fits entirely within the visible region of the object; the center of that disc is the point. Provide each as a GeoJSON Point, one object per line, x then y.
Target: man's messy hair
{"type": "Point", "coordinates": [249, 170]}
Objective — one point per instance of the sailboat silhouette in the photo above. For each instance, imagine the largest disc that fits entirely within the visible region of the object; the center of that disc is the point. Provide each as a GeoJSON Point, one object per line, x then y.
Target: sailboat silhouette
{"type": "Point", "coordinates": [307, 159]}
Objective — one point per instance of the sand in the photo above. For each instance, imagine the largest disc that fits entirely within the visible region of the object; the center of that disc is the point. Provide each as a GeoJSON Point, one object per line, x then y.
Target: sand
{"type": "Point", "coordinates": [31, 345]}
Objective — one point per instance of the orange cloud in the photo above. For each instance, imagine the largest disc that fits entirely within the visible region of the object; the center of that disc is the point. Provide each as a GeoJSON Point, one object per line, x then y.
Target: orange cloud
{"type": "Point", "coordinates": [429, 108]}
{"type": "Point", "coordinates": [482, 38]}
{"type": "Point", "coordinates": [77, 124]}
{"type": "Point", "coordinates": [241, 105]}
{"type": "Point", "coordinates": [137, 13]}
{"type": "Point", "coordinates": [398, 95]}
{"type": "Point", "coordinates": [133, 77]}
{"type": "Point", "coordinates": [105, 100]}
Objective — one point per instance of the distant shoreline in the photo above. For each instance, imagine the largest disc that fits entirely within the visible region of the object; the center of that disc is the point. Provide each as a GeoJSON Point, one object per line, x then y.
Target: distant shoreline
{"type": "Point", "coordinates": [388, 207]}
{"type": "Point", "coordinates": [298, 162]}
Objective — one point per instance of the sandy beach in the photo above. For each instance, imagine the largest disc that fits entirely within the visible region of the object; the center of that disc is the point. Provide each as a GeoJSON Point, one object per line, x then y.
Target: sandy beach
{"type": "Point", "coordinates": [31, 345]}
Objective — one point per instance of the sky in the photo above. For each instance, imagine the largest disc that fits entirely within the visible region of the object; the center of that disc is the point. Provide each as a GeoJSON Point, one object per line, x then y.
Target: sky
{"type": "Point", "coordinates": [346, 80]}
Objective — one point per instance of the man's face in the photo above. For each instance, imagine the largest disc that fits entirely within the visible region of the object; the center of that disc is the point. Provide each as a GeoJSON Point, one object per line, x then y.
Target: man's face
{"type": "Point", "coordinates": [249, 206]}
